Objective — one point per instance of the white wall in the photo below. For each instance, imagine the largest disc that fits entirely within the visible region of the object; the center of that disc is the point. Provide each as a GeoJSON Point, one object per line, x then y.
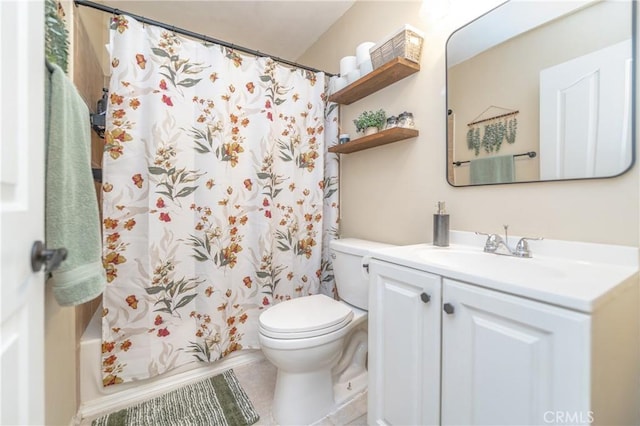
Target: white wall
{"type": "Point", "coordinates": [389, 192]}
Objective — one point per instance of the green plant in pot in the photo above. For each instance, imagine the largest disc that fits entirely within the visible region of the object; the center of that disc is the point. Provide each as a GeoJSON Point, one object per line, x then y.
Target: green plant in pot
{"type": "Point", "coordinates": [370, 121]}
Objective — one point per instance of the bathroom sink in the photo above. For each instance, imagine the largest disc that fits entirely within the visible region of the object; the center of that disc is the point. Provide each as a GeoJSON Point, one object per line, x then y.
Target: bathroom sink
{"type": "Point", "coordinates": [482, 263]}
{"type": "Point", "coordinates": [571, 274]}
{"type": "Point", "coordinates": [473, 264]}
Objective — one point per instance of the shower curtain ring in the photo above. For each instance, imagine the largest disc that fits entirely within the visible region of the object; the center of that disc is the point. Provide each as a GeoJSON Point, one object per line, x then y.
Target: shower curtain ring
{"type": "Point", "coordinates": [116, 15]}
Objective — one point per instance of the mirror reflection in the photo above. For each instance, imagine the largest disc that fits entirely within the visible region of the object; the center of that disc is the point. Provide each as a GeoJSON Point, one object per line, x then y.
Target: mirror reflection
{"type": "Point", "coordinates": [541, 91]}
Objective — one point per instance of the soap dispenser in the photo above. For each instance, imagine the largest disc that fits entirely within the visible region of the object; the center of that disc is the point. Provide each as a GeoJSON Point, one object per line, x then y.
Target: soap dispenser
{"type": "Point", "coordinates": [441, 226]}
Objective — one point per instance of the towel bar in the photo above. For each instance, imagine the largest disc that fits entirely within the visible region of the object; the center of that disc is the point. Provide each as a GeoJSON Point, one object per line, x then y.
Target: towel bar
{"type": "Point", "coordinates": [530, 154]}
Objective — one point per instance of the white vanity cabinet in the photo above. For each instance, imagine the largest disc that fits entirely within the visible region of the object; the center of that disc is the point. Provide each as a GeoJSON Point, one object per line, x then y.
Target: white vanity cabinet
{"type": "Point", "coordinates": [472, 355]}
{"type": "Point", "coordinates": [404, 345]}
{"type": "Point", "coordinates": [507, 360]}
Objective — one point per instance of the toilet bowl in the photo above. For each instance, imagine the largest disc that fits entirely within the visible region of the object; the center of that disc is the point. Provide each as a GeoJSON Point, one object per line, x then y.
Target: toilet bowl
{"type": "Point", "coordinates": [318, 344]}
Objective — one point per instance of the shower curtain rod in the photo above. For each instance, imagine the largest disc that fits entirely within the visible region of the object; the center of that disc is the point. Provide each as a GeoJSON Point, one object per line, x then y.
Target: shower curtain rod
{"type": "Point", "coordinates": [195, 35]}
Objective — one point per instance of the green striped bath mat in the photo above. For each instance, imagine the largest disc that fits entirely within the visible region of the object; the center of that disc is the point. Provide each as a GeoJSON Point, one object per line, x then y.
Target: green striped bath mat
{"type": "Point", "coordinates": [216, 401]}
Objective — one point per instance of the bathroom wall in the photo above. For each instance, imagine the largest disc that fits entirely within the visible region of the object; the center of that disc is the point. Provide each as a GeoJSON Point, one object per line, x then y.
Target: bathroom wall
{"type": "Point", "coordinates": [389, 192]}
{"type": "Point", "coordinates": [59, 325]}
{"type": "Point", "coordinates": [60, 361]}
{"type": "Point", "coordinates": [89, 80]}
{"type": "Point", "coordinates": [65, 325]}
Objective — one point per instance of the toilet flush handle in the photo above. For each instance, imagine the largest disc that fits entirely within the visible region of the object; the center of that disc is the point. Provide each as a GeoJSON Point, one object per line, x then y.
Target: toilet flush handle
{"type": "Point", "coordinates": [365, 266]}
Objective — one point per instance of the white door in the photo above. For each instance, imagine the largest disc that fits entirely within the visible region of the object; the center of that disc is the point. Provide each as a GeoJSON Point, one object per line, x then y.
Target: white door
{"type": "Point", "coordinates": [511, 361]}
{"type": "Point", "coordinates": [404, 346]}
{"type": "Point", "coordinates": [585, 115]}
{"type": "Point", "coordinates": [21, 211]}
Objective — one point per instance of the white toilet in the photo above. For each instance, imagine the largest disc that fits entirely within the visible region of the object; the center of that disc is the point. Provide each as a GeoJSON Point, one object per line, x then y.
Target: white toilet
{"type": "Point", "coordinates": [318, 344]}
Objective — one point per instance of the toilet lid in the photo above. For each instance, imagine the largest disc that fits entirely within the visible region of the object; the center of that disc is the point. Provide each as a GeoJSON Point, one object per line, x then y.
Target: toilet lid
{"type": "Point", "coordinates": [305, 317]}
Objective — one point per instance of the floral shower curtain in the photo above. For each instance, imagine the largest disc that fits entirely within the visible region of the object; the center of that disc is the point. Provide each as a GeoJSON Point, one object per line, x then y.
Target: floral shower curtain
{"type": "Point", "coordinates": [219, 198]}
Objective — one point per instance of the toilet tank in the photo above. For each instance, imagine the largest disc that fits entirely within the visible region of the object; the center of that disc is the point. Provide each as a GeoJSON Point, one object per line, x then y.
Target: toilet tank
{"type": "Point", "coordinates": [352, 281]}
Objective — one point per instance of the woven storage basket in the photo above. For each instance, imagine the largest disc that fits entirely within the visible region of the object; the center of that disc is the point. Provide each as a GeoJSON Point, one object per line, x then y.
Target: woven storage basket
{"type": "Point", "coordinates": [405, 43]}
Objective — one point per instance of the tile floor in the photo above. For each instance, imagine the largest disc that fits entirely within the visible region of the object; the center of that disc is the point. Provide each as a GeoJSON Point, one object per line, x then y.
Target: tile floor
{"type": "Point", "coordinates": [258, 379]}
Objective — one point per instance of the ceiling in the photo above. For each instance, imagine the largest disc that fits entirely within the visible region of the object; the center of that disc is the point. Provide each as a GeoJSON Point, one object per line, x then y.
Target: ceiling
{"type": "Point", "coordinates": [284, 29]}
{"type": "Point", "coordinates": [507, 21]}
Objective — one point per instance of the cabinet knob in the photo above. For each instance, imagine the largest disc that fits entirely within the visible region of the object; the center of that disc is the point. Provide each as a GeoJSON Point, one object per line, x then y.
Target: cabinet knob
{"type": "Point", "coordinates": [448, 308]}
{"type": "Point", "coordinates": [425, 297]}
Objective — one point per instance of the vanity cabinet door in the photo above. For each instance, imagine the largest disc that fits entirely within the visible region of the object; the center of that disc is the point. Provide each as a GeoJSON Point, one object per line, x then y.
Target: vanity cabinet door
{"type": "Point", "coordinates": [509, 360]}
{"type": "Point", "coordinates": [404, 346]}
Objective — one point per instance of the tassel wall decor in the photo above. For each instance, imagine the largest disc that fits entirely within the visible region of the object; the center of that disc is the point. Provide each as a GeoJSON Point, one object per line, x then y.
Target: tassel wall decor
{"type": "Point", "coordinates": [496, 130]}
{"type": "Point", "coordinates": [56, 38]}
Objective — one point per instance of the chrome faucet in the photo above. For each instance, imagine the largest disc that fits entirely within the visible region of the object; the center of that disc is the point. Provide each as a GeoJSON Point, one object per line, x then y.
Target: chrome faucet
{"type": "Point", "coordinates": [495, 241]}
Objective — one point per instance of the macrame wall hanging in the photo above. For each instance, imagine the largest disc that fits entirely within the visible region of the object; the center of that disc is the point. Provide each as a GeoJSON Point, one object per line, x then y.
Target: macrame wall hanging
{"type": "Point", "coordinates": [497, 124]}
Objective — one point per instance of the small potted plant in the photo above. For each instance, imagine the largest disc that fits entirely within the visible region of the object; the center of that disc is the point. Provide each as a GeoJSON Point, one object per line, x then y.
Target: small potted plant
{"type": "Point", "coordinates": [370, 122]}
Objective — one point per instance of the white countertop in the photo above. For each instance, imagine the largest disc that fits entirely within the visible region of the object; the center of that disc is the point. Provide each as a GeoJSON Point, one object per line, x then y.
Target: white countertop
{"type": "Point", "coordinates": [574, 275]}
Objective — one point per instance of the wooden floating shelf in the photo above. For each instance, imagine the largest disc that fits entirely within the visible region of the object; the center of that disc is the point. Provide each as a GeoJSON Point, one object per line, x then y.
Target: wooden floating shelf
{"type": "Point", "coordinates": [383, 137]}
{"type": "Point", "coordinates": [394, 70]}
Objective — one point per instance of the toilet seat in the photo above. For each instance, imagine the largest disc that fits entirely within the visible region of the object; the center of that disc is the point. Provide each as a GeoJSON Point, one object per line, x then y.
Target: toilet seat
{"type": "Point", "coordinates": [304, 317]}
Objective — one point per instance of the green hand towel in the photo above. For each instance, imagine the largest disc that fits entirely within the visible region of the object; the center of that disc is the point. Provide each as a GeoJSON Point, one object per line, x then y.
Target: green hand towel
{"type": "Point", "coordinates": [492, 170]}
{"type": "Point", "coordinates": [71, 207]}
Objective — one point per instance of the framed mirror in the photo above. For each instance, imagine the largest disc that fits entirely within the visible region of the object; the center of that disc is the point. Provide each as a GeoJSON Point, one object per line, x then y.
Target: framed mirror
{"type": "Point", "coordinates": [540, 91]}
